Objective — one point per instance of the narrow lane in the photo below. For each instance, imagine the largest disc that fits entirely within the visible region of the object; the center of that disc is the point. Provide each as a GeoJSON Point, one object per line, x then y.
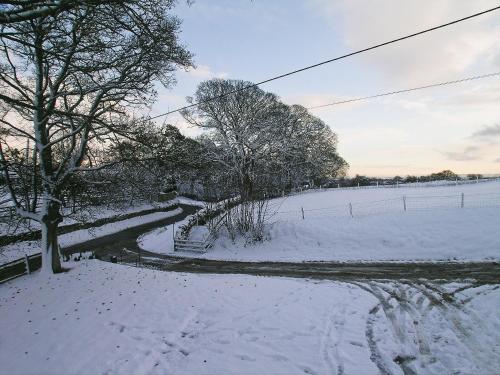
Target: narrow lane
{"type": "Point", "coordinates": [475, 272]}
{"type": "Point", "coordinates": [123, 244]}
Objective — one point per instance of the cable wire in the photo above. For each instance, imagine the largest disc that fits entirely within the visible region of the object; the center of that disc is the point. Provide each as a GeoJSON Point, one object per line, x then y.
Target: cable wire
{"type": "Point", "coordinates": [406, 90]}
{"type": "Point", "coordinates": [330, 61]}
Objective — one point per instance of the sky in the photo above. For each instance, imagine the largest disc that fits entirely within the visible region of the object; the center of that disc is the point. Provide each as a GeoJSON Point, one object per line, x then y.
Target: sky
{"type": "Point", "coordinates": [455, 127]}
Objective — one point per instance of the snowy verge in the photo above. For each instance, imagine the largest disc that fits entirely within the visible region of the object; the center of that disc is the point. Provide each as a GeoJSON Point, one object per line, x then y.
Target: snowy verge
{"type": "Point", "coordinates": [191, 202]}
{"type": "Point", "coordinates": [160, 240]}
{"type": "Point", "coordinates": [101, 318]}
{"type": "Point", "coordinates": [18, 249]}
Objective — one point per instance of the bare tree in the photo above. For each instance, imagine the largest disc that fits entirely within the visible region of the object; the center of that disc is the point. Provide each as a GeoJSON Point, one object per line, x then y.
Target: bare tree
{"type": "Point", "coordinates": [262, 142]}
{"type": "Point", "coordinates": [307, 150]}
{"type": "Point", "coordinates": [240, 126]}
{"type": "Point", "coordinates": [66, 81]}
{"type": "Point", "coordinates": [12, 11]}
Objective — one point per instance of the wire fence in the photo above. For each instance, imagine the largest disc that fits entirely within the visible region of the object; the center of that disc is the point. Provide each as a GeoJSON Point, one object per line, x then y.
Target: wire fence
{"type": "Point", "coordinates": [403, 203]}
{"type": "Point", "coordinates": [422, 184]}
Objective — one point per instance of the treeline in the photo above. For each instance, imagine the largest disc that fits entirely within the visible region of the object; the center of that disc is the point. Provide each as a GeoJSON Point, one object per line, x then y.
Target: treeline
{"type": "Point", "coordinates": [253, 146]}
{"type": "Point", "coordinates": [256, 145]}
{"type": "Point", "coordinates": [360, 180]}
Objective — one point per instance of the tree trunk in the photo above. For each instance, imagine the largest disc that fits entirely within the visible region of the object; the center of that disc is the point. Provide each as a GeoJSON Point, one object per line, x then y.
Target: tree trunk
{"type": "Point", "coordinates": [51, 261]}
{"type": "Point", "coordinates": [246, 188]}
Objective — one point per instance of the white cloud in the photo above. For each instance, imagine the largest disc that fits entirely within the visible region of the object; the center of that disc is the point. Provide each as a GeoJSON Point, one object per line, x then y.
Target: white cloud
{"type": "Point", "coordinates": [203, 72]}
{"type": "Point", "coordinates": [441, 54]}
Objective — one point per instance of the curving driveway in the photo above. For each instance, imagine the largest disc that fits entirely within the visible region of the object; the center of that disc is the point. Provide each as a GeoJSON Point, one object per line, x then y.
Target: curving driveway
{"type": "Point", "coordinates": [123, 244]}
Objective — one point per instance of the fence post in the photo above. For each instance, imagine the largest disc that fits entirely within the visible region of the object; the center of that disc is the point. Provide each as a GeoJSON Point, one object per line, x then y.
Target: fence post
{"type": "Point", "coordinates": [27, 264]}
{"type": "Point", "coordinates": [462, 204]}
{"type": "Point", "coordinates": [173, 234]}
{"type": "Point", "coordinates": [303, 217]}
{"type": "Point", "coordinates": [350, 209]}
{"type": "Point", "coordinates": [404, 202]}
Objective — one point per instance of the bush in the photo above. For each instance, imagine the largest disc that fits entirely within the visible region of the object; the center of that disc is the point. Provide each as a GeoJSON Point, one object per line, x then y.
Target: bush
{"type": "Point", "coordinates": [248, 220]}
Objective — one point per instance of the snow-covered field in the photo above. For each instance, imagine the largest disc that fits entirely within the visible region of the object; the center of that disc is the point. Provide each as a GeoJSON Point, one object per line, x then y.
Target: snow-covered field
{"type": "Point", "coordinates": [18, 249]}
{"type": "Point", "coordinates": [101, 318]}
{"type": "Point", "coordinates": [433, 227]}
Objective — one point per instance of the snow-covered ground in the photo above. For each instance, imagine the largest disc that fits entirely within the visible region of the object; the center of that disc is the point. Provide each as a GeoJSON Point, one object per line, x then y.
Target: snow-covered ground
{"type": "Point", "coordinates": [95, 213]}
{"type": "Point", "coordinates": [192, 202]}
{"type": "Point", "coordinates": [433, 227]}
{"type": "Point", "coordinates": [18, 249]}
{"type": "Point", "coordinates": [101, 318]}
{"type": "Point", "coordinates": [160, 240]}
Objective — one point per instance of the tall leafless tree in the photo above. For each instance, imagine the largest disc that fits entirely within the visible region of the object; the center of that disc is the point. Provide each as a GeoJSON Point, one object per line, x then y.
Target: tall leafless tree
{"type": "Point", "coordinates": [240, 126]}
{"type": "Point", "coordinates": [260, 141]}
{"type": "Point", "coordinates": [66, 81]}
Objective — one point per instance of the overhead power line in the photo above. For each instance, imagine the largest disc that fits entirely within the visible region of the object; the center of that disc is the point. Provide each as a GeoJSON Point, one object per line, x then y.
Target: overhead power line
{"type": "Point", "coordinates": [405, 90]}
{"type": "Point", "coordinates": [330, 61]}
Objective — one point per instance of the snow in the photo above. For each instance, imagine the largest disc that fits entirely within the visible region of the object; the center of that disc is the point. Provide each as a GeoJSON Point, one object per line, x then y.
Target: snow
{"type": "Point", "coordinates": [102, 318]}
{"type": "Point", "coordinates": [160, 240]}
{"type": "Point", "coordinates": [433, 227]}
{"type": "Point", "coordinates": [88, 234]}
{"type": "Point", "coordinates": [191, 202]}
{"type": "Point", "coordinates": [94, 213]}
{"type": "Point", "coordinates": [18, 249]}
{"type": "Point", "coordinates": [199, 233]}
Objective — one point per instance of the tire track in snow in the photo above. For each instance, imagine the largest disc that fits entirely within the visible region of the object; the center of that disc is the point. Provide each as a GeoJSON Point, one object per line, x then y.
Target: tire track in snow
{"type": "Point", "coordinates": [405, 321]}
{"type": "Point", "coordinates": [325, 350]}
{"type": "Point", "coordinates": [330, 347]}
{"type": "Point", "coordinates": [464, 323]}
{"type": "Point", "coordinates": [375, 354]}
{"type": "Point", "coordinates": [415, 311]}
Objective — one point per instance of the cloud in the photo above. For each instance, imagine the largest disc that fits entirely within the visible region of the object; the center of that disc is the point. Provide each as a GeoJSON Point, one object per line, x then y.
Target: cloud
{"type": "Point", "coordinates": [385, 166]}
{"type": "Point", "coordinates": [468, 154]}
{"type": "Point", "coordinates": [487, 131]}
{"type": "Point", "coordinates": [497, 160]}
{"type": "Point", "coordinates": [203, 72]}
{"type": "Point", "coordinates": [484, 93]}
{"type": "Point", "coordinates": [458, 156]}
{"type": "Point", "coordinates": [315, 100]}
{"type": "Point", "coordinates": [438, 55]}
